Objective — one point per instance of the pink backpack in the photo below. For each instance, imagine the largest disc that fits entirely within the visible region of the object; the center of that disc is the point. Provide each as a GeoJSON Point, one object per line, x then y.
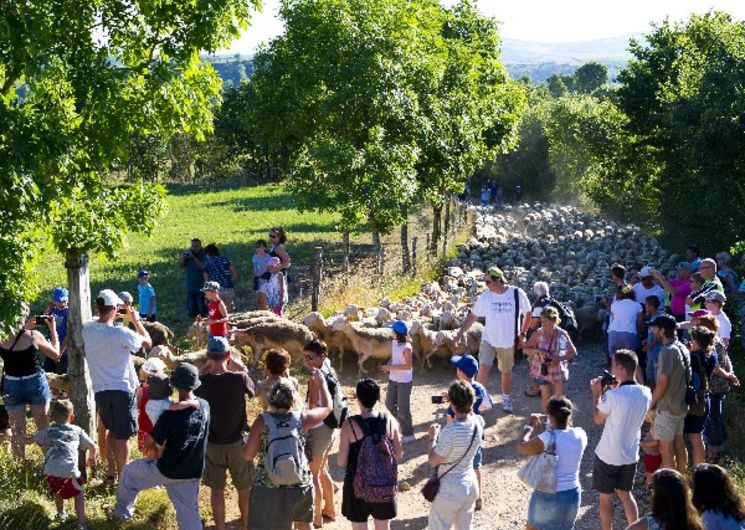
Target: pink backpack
{"type": "Point", "coordinates": [376, 477]}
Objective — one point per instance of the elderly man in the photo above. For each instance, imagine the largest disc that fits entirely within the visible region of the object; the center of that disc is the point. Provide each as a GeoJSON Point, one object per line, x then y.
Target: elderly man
{"type": "Point", "coordinates": [647, 287]}
{"type": "Point", "coordinates": [507, 313]}
{"type": "Point", "coordinates": [708, 271]}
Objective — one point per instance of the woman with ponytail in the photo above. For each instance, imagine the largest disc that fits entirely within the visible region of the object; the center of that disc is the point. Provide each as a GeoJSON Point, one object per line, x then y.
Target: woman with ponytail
{"type": "Point", "coordinates": [672, 508]}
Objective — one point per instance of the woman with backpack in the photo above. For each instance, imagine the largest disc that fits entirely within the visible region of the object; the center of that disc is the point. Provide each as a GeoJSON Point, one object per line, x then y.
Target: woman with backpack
{"type": "Point", "coordinates": [369, 450]}
{"type": "Point", "coordinates": [282, 490]}
{"type": "Point", "coordinates": [451, 452]}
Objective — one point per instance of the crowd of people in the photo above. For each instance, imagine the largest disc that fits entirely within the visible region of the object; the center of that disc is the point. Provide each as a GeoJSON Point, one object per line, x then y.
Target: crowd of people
{"type": "Point", "coordinates": [668, 376]}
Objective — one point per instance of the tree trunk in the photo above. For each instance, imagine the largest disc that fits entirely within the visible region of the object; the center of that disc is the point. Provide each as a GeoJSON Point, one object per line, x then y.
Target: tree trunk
{"type": "Point", "coordinates": [346, 247]}
{"type": "Point", "coordinates": [316, 272]}
{"type": "Point", "coordinates": [405, 260]}
{"type": "Point", "coordinates": [81, 390]}
{"type": "Point", "coordinates": [436, 229]}
{"type": "Point", "coordinates": [376, 240]}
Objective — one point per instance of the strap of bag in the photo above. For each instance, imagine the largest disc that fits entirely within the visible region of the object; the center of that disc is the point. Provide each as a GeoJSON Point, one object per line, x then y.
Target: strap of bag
{"type": "Point", "coordinates": [18, 336]}
{"type": "Point", "coordinates": [551, 449]}
{"type": "Point", "coordinates": [517, 316]}
{"type": "Point", "coordinates": [689, 372]}
{"type": "Point", "coordinates": [473, 437]}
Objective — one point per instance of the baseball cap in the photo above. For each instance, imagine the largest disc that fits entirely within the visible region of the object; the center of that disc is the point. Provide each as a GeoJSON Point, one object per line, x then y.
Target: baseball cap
{"type": "Point", "coordinates": [466, 364]}
{"type": "Point", "coordinates": [210, 286]}
{"type": "Point", "coordinates": [153, 365]}
{"type": "Point", "coordinates": [158, 386]}
{"type": "Point", "coordinates": [126, 297]}
{"type": "Point", "coordinates": [665, 322]}
{"type": "Point", "coordinates": [646, 272]}
{"type": "Point", "coordinates": [110, 298]}
{"type": "Point", "coordinates": [495, 272]}
{"type": "Point", "coordinates": [399, 326]}
{"type": "Point", "coordinates": [699, 313]}
{"type": "Point", "coordinates": [683, 265]}
{"type": "Point", "coordinates": [217, 347]}
{"type": "Point", "coordinates": [142, 274]}
{"type": "Point", "coordinates": [715, 296]}
{"type": "Point", "coordinates": [60, 294]}
{"type": "Point", "coordinates": [186, 377]}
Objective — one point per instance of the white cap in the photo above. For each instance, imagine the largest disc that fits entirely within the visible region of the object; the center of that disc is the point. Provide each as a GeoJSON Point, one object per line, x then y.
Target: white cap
{"type": "Point", "coordinates": [110, 298]}
{"type": "Point", "coordinates": [153, 365]}
{"type": "Point", "coordinates": [646, 272]}
{"type": "Point", "coordinates": [125, 297]}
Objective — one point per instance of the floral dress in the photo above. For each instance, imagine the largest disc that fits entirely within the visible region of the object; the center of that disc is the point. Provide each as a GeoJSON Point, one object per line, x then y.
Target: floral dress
{"type": "Point", "coordinates": [555, 345]}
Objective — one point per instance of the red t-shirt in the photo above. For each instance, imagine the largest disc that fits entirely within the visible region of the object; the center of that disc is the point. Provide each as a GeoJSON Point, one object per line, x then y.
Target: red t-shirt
{"type": "Point", "coordinates": [213, 310]}
{"type": "Point", "coordinates": [144, 425]}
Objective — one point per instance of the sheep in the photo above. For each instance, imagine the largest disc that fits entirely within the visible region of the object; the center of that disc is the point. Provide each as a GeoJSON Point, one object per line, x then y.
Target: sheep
{"type": "Point", "coordinates": [160, 334]}
{"type": "Point", "coordinates": [367, 342]}
{"type": "Point", "coordinates": [336, 342]}
{"type": "Point", "coordinates": [468, 346]}
{"type": "Point", "coordinates": [425, 344]}
{"type": "Point", "coordinates": [281, 333]}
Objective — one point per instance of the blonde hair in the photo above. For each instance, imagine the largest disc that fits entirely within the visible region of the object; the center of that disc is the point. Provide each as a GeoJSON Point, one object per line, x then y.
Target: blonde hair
{"type": "Point", "coordinates": [283, 395]}
{"type": "Point", "coordinates": [60, 410]}
{"type": "Point", "coordinates": [550, 313]}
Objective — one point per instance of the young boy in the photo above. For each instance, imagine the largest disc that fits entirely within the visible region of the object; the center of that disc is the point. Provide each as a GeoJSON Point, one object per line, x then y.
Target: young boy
{"type": "Point", "coordinates": [651, 346]}
{"type": "Point", "coordinates": [146, 295]}
{"type": "Point", "coordinates": [62, 441]}
{"type": "Point", "coordinates": [58, 308]}
{"type": "Point", "coordinates": [260, 262]}
{"type": "Point", "coordinates": [217, 312]}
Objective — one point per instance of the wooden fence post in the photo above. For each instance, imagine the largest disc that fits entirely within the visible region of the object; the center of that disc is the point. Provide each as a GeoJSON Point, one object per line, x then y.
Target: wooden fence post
{"type": "Point", "coordinates": [414, 241]}
{"type": "Point", "coordinates": [428, 248]}
{"type": "Point", "coordinates": [316, 277]}
{"type": "Point", "coordinates": [381, 261]}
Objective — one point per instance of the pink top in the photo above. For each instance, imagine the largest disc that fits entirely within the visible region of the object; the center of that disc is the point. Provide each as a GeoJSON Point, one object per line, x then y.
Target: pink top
{"type": "Point", "coordinates": [678, 302]}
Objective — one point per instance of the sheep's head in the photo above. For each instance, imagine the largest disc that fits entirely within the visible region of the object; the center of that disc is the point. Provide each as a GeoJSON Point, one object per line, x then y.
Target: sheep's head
{"type": "Point", "coordinates": [340, 324]}
{"type": "Point", "coordinates": [315, 321]}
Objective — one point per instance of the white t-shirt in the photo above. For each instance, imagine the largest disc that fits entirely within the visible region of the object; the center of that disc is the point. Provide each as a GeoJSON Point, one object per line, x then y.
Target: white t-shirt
{"type": "Point", "coordinates": [725, 326]}
{"type": "Point", "coordinates": [642, 293]}
{"type": "Point", "coordinates": [499, 310]}
{"type": "Point", "coordinates": [108, 350]}
{"type": "Point", "coordinates": [623, 315]}
{"type": "Point", "coordinates": [155, 407]}
{"type": "Point", "coordinates": [570, 446]}
{"type": "Point", "coordinates": [397, 357]}
{"type": "Point", "coordinates": [625, 408]}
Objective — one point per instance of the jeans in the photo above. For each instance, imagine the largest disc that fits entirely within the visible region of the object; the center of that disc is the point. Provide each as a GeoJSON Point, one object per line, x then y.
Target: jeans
{"type": "Point", "coordinates": [618, 340]}
{"type": "Point", "coordinates": [143, 474]}
{"type": "Point", "coordinates": [715, 430]}
{"type": "Point", "coordinates": [195, 303]}
{"type": "Point", "coordinates": [453, 507]}
{"type": "Point", "coordinates": [398, 401]}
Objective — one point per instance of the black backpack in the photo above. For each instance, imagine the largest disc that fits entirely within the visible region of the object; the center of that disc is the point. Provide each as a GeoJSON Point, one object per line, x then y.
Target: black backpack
{"type": "Point", "coordinates": [566, 314]}
{"type": "Point", "coordinates": [339, 407]}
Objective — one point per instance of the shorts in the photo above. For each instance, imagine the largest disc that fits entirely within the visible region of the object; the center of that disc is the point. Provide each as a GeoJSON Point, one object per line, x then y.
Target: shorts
{"type": "Point", "coordinates": [278, 508]}
{"type": "Point", "coordinates": [505, 356]}
{"type": "Point", "coordinates": [607, 478]}
{"type": "Point", "coordinates": [357, 510]}
{"type": "Point", "coordinates": [694, 424]}
{"type": "Point", "coordinates": [554, 511]}
{"type": "Point", "coordinates": [118, 412]}
{"type": "Point", "coordinates": [32, 391]}
{"type": "Point", "coordinates": [220, 459]}
{"type": "Point", "coordinates": [65, 487]}
{"type": "Point", "coordinates": [667, 426]}
{"type": "Point", "coordinates": [319, 441]}
{"type": "Point", "coordinates": [652, 463]}
{"type": "Point", "coordinates": [478, 457]}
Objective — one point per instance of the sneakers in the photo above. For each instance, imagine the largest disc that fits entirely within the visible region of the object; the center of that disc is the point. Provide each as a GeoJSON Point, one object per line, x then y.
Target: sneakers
{"type": "Point", "coordinates": [408, 439]}
{"type": "Point", "coordinates": [506, 403]}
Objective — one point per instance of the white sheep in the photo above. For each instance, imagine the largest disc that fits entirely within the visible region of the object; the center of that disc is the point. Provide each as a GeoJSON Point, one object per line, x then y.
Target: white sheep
{"type": "Point", "coordinates": [367, 342]}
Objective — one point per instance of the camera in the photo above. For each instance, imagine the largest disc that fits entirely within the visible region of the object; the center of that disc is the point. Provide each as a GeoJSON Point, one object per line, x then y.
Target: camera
{"type": "Point", "coordinates": [544, 368]}
{"type": "Point", "coordinates": [437, 400]}
{"type": "Point", "coordinates": [42, 319]}
{"type": "Point", "coordinates": [607, 379]}
{"type": "Point", "coordinates": [121, 311]}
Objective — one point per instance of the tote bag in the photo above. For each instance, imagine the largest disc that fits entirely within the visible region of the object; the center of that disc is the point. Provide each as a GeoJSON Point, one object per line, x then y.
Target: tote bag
{"type": "Point", "coordinates": [539, 472]}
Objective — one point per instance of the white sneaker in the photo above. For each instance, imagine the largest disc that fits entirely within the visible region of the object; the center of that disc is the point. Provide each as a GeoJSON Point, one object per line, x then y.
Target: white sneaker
{"type": "Point", "coordinates": [408, 439]}
{"type": "Point", "coordinates": [506, 403]}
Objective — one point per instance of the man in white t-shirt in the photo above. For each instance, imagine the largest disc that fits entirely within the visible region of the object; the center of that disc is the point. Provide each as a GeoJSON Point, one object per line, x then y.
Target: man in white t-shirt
{"type": "Point", "coordinates": [501, 335]}
{"type": "Point", "coordinates": [108, 350]}
{"type": "Point", "coordinates": [647, 287]}
{"type": "Point", "coordinates": [622, 410]}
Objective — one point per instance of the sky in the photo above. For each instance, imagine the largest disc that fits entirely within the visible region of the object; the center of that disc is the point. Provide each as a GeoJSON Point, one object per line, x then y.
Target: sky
{"type": "Point", "coordinates": [540, 20]}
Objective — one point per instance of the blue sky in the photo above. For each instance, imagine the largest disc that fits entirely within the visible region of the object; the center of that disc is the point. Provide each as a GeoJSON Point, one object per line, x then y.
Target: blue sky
{"type": "Point", "coordinates": [542, 20]}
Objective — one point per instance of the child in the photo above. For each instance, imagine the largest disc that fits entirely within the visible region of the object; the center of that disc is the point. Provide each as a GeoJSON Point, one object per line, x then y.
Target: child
{"type": "Point", "coordinates": [62, 441]}
{"type": "Point", "coordinates": [466, 368]}
{"type": "Point", "coordinates": [275, 289]}
{"type": "Point", "coordinates": [400, 380]}
{"type": "Point", "coordinates": [260, 263]}
{"type": "Point", "coordinates": [652, 459]}
{"type": "Point", "coordinates": [58, 308]}
{"type": "Point", "coordinates": [652, 347]}
{"type": "Point", "coordinates": [217, 313]}
{"type": "Point", "coordinates": [144, 426]}
{"type": "Point", "coordinates": [146, 296]}
{"type": "Point", "coordinates": [159, 395]}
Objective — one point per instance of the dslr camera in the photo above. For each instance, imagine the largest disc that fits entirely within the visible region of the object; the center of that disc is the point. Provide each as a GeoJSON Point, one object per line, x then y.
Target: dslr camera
{"type": "Point", "coordinates": [607, 380]}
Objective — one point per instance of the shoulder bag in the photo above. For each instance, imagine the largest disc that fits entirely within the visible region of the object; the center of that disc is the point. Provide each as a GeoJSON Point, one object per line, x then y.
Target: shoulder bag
{"type": "Point", "coordinates": [539, 472]}
{"type": "Point", "coordinates": [430, 489]}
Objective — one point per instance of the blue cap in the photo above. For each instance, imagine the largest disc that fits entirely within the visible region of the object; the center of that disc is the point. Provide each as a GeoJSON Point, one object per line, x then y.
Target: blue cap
{"type": "Point", "coordinates": [466, 363]}
{"type": "Point", "coordinates": [400, 327]}
{"type": "Point", "coordinates": [142, 274]}
{"type": "Point", "coordinates": [217, 347]}
{"type": "Point", "coordinates": [60, 294]}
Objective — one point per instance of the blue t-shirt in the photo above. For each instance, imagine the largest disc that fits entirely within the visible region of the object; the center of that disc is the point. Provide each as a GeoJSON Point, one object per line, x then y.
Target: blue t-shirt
{"type": "Point", "coordinates": [60, 321]}
{"type": "Point", "coordinates": [218, 269]}
{"type": "Point", "coordinates": [715, 520]}
{"type": "Point", "coordinates": [146, 294]}
{"type": "Point", "coordinates": [260, 263]}
{"type": "Point", "coordinates": [480, 392]}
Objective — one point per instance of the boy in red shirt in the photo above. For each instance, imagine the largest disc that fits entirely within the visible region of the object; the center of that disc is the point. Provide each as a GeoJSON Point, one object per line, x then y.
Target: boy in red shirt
{"type": "Point", "coordinates": [217, 312]}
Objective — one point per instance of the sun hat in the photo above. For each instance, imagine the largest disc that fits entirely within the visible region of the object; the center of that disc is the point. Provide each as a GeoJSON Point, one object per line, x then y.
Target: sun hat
{"type": "Point", "coordinates": [186, 377]}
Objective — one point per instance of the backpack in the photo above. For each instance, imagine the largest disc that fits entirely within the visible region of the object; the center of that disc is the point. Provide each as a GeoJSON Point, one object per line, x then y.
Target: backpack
{"type": "Point", "coordinates": [376, 476]}
{"type": "Point", "coordinates": [566, 314]}
{"type": "Point", "coordinates": [339, 408]}
{"type": "Point", "coordinates": [285, 462]}
{"type": "Point", "coordinates": [699, 384]}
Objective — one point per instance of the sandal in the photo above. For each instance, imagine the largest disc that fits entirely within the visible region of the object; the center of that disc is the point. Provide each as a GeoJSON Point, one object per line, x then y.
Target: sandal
{"type": "Point", "coordinates": [478, 505]}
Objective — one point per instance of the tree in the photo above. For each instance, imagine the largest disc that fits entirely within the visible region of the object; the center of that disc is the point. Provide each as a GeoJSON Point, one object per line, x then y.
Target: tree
{"type": "Point", "coordinates": [589, 77]}
{"type": "Point", "coordinates": [77, 79]}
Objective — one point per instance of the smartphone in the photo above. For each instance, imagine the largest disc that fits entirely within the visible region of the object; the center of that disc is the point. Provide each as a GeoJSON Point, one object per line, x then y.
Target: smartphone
{"type": "Point", "coordinates": [438, 400]}
{"type": "Point", "coordinates": [41, 319]}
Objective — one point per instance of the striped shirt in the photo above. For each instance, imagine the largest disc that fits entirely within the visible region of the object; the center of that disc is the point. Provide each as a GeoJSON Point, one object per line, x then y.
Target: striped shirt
{"type": "Point", "coordinates": [453, 442]}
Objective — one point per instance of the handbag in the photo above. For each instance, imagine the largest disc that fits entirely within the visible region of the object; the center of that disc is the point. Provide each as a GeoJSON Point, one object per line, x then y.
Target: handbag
{"type": "Point", "coordinates": [432, 486]}
{"type": "Point", "coordinates": [539, 472]}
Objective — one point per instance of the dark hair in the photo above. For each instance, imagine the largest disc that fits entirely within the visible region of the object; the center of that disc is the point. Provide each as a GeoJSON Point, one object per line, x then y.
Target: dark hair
{"type": "Point", "coordinates": [618, 270]}
{"type": "Point", "coordinates": [653, 301]}
{"type": "Point", "coordinates": [625, 292]}
{"type": "Point", "coordinates": [281, 233]}
{"type": "Point", "coordinates": [402, 338]}
{"type": "Point", "coordinates": [560, 409]}
{"type": "Point", "coordinates": [211, 250]}
{"type": "Point", "coordinates": [367, 392]}
{"type": "Point", "coordinates": [637, 267]}
{"type": "Point", "coordinates": [671, 502]}
{"type": "Point", "coordinates": [703, 336]}
{"type": "Point", "coordinates": [277, 361]}
{"type": "Point", "coordinates": [713, 489]}
{"type": "Point", "coordinates": [60, 410]}
{"type": "Point", "coordinates": [261, 243]}
{"type": "Point", "coordinates": [196, 240]}
{"type": "Point", "coordinates": [461, 396]}
{"type": "Point", "coordinates": [628, 360]}
{"type": "Point", "coordinates": [317, 347]}
{"type": "Point", "coordinates": [694, 249]}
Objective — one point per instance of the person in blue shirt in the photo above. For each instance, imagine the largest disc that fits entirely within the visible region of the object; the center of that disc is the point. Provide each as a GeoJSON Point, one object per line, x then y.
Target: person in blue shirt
{"type": "Point", "coordinates": [219, 269]}
{"type": "Point", "coordinates": [58, 308]}
{"type": "Point", "coordinates": [146, 296]}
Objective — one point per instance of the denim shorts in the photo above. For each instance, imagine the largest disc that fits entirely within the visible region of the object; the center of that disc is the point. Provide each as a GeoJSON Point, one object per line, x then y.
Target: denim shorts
{"type": "Point", "coordinates": [22, 392]}
{"type": "Point", "coordinates": [478, 457]}
{"type": "Point", "coordinates": [554, 511]}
